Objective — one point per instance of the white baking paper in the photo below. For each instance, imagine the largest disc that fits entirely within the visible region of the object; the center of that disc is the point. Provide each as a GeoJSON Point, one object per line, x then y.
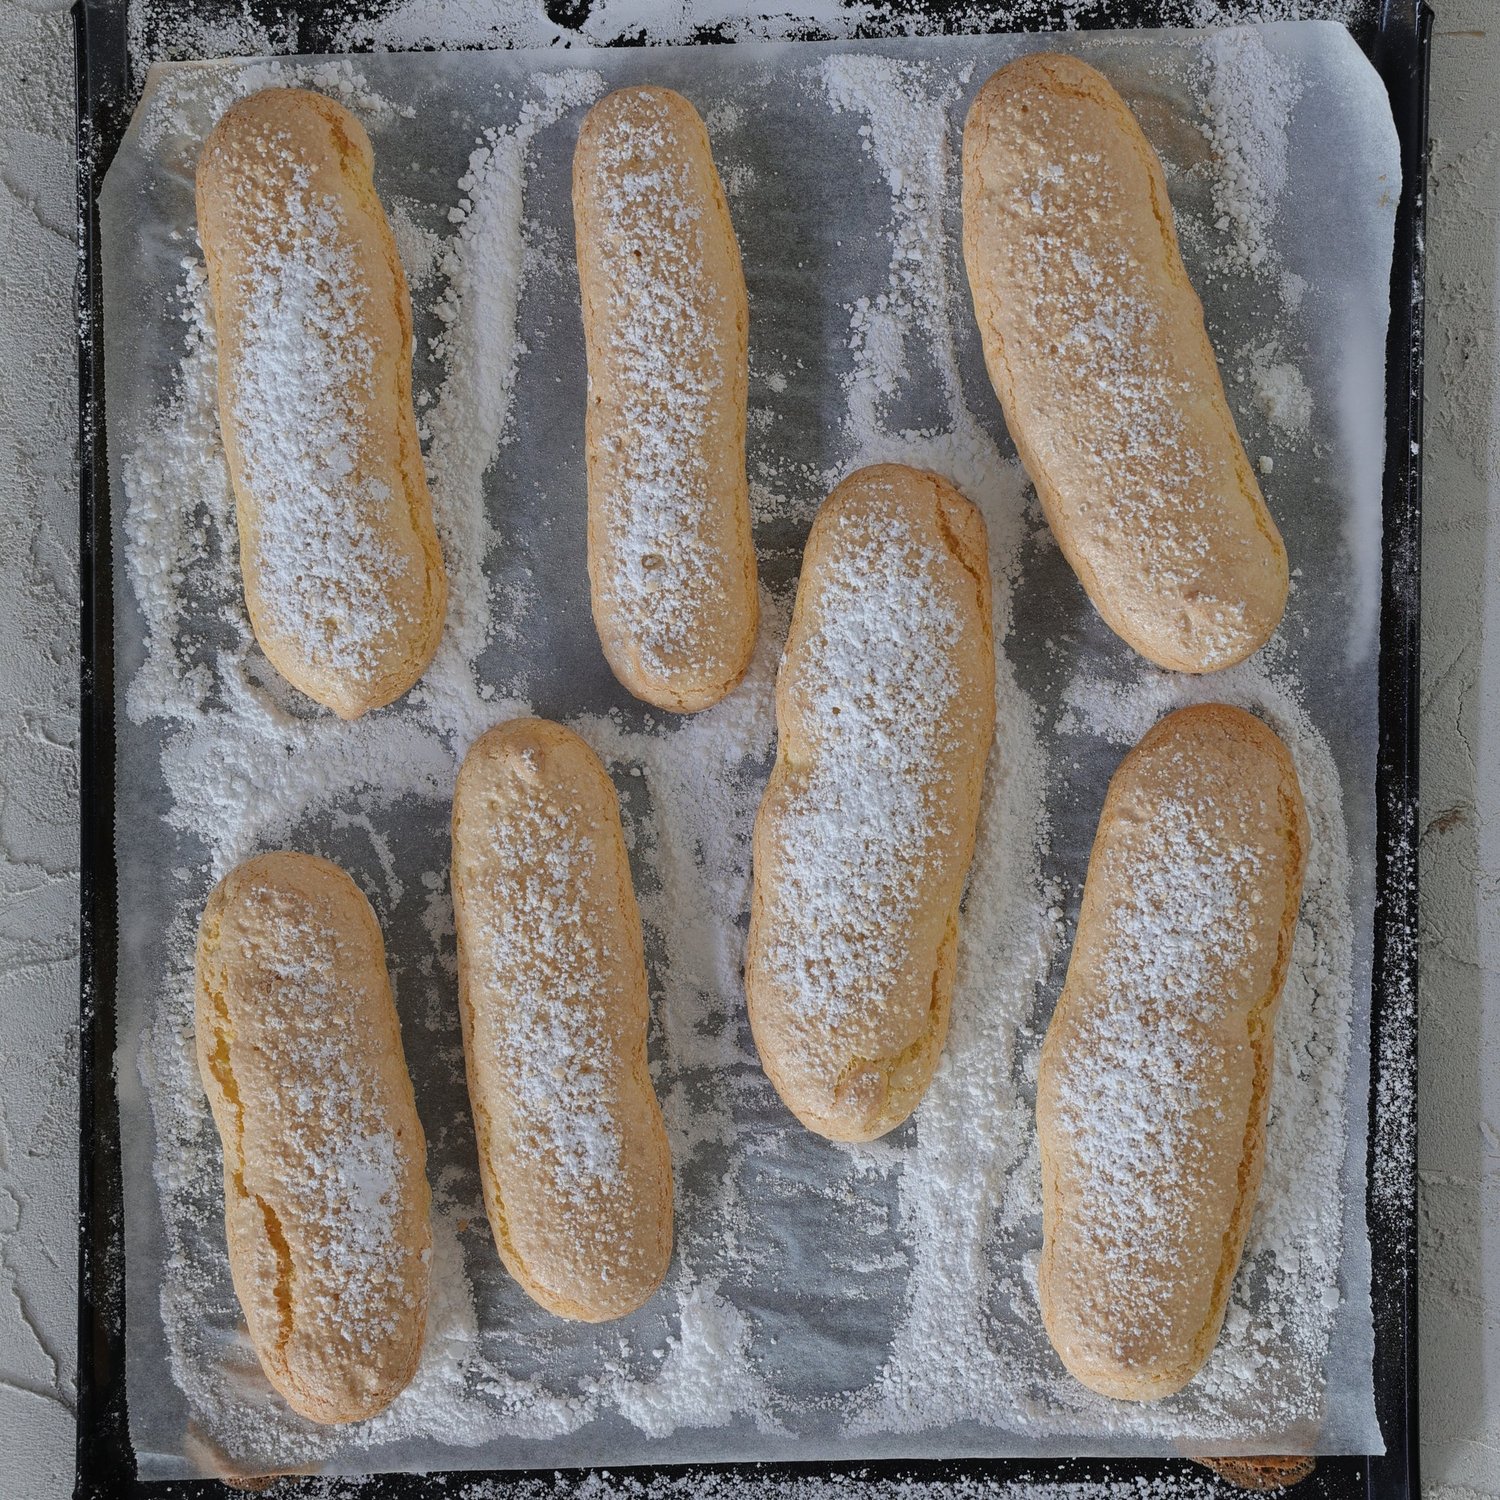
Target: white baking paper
{"type": "Point", "coordinates": [804, 1315]}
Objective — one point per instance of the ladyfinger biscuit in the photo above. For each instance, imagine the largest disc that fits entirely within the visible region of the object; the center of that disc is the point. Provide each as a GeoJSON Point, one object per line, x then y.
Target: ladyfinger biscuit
{"type": "Point", "coordinates": [325, 1190]}
{"type": "Point", "coordinates": [885, 709]}
{"type": "Point", "coordinates": [343, 576]}
{"type": "Point", "coordinates": [1155, 1073]}
{"type": "Point", "coordinates": [1096, 346]}
{"type": "Point", "coordinates": [665, 320]}
{"type": "Point", "coordinates": [573, 1150]}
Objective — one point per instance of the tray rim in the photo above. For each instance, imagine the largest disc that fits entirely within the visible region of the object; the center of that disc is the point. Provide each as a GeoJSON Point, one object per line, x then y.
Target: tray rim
{"type": "Point", "coordinates": [1399, 46]}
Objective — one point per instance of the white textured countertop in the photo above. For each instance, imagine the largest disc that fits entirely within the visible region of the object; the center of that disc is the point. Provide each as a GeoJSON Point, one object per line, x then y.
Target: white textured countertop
{"type": "Point", "coordinates": [1460, 1083]}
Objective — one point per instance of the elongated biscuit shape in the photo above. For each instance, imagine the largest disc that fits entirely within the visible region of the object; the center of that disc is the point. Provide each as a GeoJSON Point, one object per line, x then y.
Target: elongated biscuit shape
{"type": "Point", "coordinates": [1155, 1074]}
{"type": "Point", "coordinates": [1096, 345]}
{"type": "Point", "coordinates": [885, 709]}
{"type": "Point", "coordinates": [325, 1190]}
{"type": "Point", "coordinates": [343, 575]}
{"type": "Point", "coordinates": [665, 320]}
{"type": "Point", "coordinates": [573, 1150]}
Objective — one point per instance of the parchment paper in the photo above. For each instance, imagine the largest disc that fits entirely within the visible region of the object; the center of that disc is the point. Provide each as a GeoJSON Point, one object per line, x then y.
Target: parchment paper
{"type": "Point", "coordinates": [766, 1214]}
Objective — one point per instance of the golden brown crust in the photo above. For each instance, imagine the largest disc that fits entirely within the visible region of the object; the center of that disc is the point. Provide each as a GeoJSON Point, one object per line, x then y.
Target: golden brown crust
{"type": "Point", "coordinates": [343, 574]}
{"type": "Point", "coordinates": [1156, 1069]}
{"type": "Point", "coordinates": [573, 1149]}
{"type": "Point", "coordinates": [666, 323]}
{"type": "Point", "coordinates": [1097, 349]}
{"type": "Point", "coordinates": [885, 709]}
{"type": "Point", "coordinates": [326, 1200]}
{"type": "Point", "coordinates": [1262, 1473]}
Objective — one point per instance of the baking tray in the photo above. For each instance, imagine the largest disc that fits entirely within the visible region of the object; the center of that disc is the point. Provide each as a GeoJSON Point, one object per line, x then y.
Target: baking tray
{"type": "Point", "coordinates": [1398, 44]}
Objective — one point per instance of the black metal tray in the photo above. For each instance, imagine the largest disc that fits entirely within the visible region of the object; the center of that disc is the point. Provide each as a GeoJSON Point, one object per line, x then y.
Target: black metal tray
{"type": "Point", "coordinates": [1397, 41]}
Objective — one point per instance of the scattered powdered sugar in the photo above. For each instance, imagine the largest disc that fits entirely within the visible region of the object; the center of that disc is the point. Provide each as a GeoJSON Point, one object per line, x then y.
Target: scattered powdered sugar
{"type": "Point", "coordinates": [245, 767]}
{"type": "Point", "coordinates": [159, 30]}
{"type": "Point", "coordinates": [897, 1276]}
{"type": "Point", "coordinates": [1279, 391]}
{"type": "Point", "coordinates": [418, 246]}
{"type": "Point", "coordinates": [1293, 289]}
{"type": "Point", "coordinates": [404, 24]}
{"type": "Point", "coordinates": [707, 1484]}
{"type": "Point", "coordinates": [707, 1373]}
{"type": "Point", "coordinates": [1257, 117]}
{"type": "Point", "coordinates": [177, 101]}
{"type": "Point", "coordinates": [485, 268]}
{"type": "Point", "coordinates": [907, 132]}
{"type": "Point", "coordinates": [1246, 96]}
{"type": "Point", "coordinates": [244, 763]}
{"type": "Point", "coordinates": [531, 23]}
{"type": "Point", "coordinates": [178, 515]}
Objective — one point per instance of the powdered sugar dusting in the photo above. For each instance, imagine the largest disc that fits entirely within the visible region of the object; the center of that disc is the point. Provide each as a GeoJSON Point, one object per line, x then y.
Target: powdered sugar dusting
{"type": "Point", "coordinates": [662, 332]}
{"type": "Point", "coordinates": [336, 1177]}
{"type": "Point", "coordinates": [706, 1484]}
{"type": "Point", "coordinates": [303, 394]}
{"type": "Point", "coordinates": [1166, 1005]}
{"type": "Point", "coordinates": [402, 24]}
{"type": "Point", "coordinates": [974, 1161]}
{"type": "Point", "coordinates": [178, 515]}
{"type": "Point", "coordinates": [1158, 515]}
{"type": "Point", "coordinates": [246, 768]}
{"type": "Point", "coordinates": [537, 946]}
{"type": "Point", "coordinates": [876, 681]}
